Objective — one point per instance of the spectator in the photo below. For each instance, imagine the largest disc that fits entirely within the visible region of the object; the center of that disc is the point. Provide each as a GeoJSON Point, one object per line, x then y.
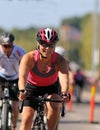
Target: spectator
{"type": "Point", "coordinates": [79, 79]}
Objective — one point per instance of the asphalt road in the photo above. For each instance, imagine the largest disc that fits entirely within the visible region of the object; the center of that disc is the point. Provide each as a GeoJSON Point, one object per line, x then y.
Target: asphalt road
{"type": "Point", "coordinates": [79, 116]}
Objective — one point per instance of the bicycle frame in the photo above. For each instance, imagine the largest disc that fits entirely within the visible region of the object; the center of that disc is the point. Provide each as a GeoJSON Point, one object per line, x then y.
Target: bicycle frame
{"type": "Point", "coordinates": [38, 122]}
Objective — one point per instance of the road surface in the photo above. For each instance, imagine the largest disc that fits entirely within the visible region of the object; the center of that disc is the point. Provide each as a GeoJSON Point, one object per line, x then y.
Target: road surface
{"type": "Point", "coordinates": [79, 116]}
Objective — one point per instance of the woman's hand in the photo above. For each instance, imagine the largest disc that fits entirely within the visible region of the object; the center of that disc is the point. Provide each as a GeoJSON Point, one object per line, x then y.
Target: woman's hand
{"type": "Point", "coordinates": [22, 94]}
{"type": "Point", "coordinates": [65, 97]}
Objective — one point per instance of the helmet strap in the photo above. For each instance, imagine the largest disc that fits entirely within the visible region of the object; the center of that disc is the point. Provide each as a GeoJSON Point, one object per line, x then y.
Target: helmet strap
{"type": "Point", "coordinates": [42, 55]}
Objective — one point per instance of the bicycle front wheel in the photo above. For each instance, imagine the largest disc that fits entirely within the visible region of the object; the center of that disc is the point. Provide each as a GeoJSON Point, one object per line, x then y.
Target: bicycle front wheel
{"type": "Point", "coordinates": [42, 127]}
{"type": "Point", "coordinates": [39, 127]}
{"type": "Point", "coordinates": [4, 118]}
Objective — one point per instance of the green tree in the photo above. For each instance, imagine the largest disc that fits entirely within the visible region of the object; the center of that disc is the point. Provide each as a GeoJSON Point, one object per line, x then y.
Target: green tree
{"type": "Point", "coordinates": [73, 21]}
{"type": "Point", "coordinates": [87, 40]}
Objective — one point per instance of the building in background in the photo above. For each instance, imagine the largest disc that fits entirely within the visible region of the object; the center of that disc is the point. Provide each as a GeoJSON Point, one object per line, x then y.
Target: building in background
{"type": "Point", "coordinates": [69, 33]}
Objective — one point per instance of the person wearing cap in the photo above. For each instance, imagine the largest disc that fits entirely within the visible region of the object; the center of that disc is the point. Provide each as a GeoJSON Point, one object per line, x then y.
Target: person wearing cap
{"type": "Point", "coordinates": [10, 56]}
{"type": "Point", "coordinates": [62, 51]}
{"type": "Point", "coordinates": [38, 75]}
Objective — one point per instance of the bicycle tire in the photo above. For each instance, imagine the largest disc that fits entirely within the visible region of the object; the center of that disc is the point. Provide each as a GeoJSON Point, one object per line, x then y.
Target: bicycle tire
{"type": "Point", "coordinates": [39, 127]}
{"type": "Point", "coordinates": [4, 118]}
{"type": "Point", "coordinates": [42, 127]}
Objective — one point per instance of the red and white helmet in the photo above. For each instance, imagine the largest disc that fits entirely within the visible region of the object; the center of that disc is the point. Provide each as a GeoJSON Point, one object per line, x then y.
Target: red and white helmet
{"type": "Point", "coordinates": [47, 35]}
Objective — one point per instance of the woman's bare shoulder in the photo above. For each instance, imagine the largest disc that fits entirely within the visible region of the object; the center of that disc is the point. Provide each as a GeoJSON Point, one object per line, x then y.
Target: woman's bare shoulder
{"type": "Point", "coordinates": [61, 60]}
{"type": "Point", "coordinates": [29, 55]}
{"type": "Point", "coordinates": [28, 59]}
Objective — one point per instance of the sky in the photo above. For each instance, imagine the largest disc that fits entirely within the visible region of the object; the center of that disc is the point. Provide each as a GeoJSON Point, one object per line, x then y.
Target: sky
{"type": "Point", "coordinates": [28, 13]}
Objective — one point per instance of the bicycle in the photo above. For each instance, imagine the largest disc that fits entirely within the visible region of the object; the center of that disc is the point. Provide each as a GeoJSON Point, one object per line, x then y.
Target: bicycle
{"type": "Point", "coordinates": [6, 106]}
{"type": "Point", "coordinates": [38, 122]}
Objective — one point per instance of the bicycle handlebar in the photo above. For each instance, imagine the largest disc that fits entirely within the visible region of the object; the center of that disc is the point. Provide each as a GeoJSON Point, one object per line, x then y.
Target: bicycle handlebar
{"type": "Point", "coordinates": [39, 99]}
{"type": "Point", "coordinates": [44, 99]}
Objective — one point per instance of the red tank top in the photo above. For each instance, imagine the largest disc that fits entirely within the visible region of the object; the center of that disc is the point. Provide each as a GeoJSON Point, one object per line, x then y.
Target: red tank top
{"type": "Point", "coordinates": [37, 78]}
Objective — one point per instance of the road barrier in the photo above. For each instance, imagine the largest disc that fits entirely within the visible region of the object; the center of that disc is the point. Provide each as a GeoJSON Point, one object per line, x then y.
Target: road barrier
{"type": "Point", "coordinates": [92, 103]}
{"type": "Point", "coordinates": [69, 105]}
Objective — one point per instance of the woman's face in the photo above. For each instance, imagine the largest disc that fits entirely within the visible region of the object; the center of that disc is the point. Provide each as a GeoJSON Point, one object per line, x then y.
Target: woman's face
{"type": "Point", "coordinates": [46, 50]}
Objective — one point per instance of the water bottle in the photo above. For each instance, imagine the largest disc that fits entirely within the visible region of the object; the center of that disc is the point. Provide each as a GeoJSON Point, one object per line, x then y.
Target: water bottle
{"type": "Point", "coordinates": [6, 92]}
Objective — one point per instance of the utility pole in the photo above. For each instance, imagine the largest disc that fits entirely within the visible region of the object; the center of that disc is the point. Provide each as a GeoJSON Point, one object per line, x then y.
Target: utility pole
{"type": "Point", "coordinates": [95, 50]}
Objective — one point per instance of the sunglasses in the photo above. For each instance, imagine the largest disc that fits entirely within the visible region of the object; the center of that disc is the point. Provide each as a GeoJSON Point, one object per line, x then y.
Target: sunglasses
{"type": "Point", "coordinates": [47, 45]}
{"type": "Point", "coordinates": [7, 46]}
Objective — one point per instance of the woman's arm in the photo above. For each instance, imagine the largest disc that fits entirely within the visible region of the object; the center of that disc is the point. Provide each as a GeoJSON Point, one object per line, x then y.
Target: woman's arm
{"type": "Point", "coordinates": [63, 67]}
{"type": "Point", "coordinates": [25, 66]}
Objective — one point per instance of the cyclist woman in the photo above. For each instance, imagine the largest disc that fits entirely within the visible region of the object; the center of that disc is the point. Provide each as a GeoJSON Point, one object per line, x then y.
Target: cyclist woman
{"type": "Point", "coordinates": [38, 75]}
{"type": "Point", "coordinates": [10, 56]}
